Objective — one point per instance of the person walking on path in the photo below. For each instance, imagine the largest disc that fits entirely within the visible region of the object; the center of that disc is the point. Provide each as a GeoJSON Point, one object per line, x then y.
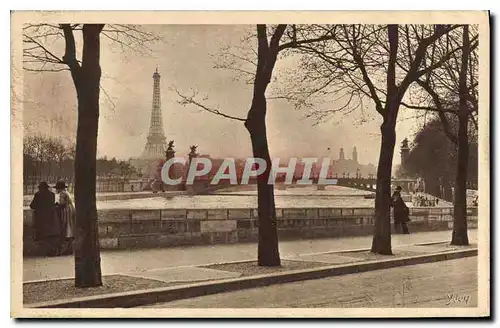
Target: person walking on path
{"type": "Point", "coordinates": [401, 211]}
{"type": "Point", "coordinates": [67, 216]}
{"type": "Point", "coordinates": [45, 222]}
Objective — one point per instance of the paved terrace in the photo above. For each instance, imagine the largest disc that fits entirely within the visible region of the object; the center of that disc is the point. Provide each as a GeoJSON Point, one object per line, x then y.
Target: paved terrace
{"type": "Point", "coordinates": [120, 261]}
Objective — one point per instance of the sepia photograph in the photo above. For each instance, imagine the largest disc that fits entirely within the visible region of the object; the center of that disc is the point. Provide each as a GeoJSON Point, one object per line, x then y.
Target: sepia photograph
{"type": "Point", "coordinates": [250, 164]}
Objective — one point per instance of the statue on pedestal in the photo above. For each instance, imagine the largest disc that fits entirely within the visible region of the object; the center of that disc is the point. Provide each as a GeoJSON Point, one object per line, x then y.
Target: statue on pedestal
{"type": "Point", "coordinates": [170, 152]}
{"type": "Point", "coordinates": [193, 152]}
{"type": "Point", "coordinates": [170, 145]}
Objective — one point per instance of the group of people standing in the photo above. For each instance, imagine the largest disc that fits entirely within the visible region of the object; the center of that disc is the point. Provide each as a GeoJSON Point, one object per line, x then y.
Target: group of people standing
{"type": "Point", "coordinates": [422, 201]}
{"type": "Point", "coordinates": [54, 219]}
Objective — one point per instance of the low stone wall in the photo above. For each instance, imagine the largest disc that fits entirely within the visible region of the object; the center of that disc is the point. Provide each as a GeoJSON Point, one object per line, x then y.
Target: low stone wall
{"type": "Point", "coordinates": [123, 229]}
{"type": "Point", "coordinates": [122, 195]}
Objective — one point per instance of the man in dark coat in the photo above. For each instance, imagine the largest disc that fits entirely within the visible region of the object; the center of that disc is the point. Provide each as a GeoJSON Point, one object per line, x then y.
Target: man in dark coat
{"type": "Point", "coordinates": [401, 211]}
{"type": "Point", "coordinates": [44, 220]}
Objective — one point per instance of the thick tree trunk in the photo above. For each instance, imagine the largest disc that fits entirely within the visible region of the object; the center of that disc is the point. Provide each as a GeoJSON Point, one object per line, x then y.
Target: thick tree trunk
{"type": "Point", "coordinates": [459, 236]}
{"type": "Point", "coordinates": [268, 251]}
{"type": "Point", "coordinates": [87, 255]}
{"type": "Point", "coordinates": [381, 243]}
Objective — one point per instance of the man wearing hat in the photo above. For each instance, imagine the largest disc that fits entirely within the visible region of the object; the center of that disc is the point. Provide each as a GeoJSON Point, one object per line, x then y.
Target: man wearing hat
{"type": "Point", "coordinates": [45, 224]}
{"type": "Point", "coordinates": [401, 211]}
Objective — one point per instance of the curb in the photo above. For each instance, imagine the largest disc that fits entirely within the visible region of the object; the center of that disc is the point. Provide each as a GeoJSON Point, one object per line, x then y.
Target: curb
{"type": "Point", "coordinates": [430, 243]}
{"type": "Point", "coordinates": [168, 294]}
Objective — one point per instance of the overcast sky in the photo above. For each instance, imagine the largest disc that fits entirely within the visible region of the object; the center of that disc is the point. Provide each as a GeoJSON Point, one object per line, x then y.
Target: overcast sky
{"type": "Point", "coordinates": [184, 61]}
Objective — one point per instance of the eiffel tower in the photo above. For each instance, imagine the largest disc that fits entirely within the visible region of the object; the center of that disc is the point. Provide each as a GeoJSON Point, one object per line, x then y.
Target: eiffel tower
{"type": "Point", "coordinates": [156, 143]}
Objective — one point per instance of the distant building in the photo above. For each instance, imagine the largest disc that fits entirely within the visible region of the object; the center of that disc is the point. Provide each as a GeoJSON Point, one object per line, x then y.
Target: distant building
{"type": "Point", "coordinates": [340, 167]}
{"type": "Point", "coordinates": [351, 167]}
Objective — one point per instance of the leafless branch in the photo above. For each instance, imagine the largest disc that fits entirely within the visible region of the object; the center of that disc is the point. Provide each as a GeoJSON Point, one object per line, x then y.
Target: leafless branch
{"type": "Point", "coordinates": [131, 37]}
{"type": "Point", "coordinates": [42, 69]}
{"type": "Point", "coordinates": [39, 52]}
{"type": "Point", "coordinates": [428, 108]}
{"type": "Point", "coordinates": [113, 106]}
{"type": "Point", "coordinates": [294, 43]}
{"type": "Point", "coordinates": [48, 54]}
{"type": "Point", "coordinates": [69, 57]}
{"type": "Point", "coordinates": [190, 100]}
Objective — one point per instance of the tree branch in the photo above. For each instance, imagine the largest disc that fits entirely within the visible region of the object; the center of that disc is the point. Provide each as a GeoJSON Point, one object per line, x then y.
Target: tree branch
{"type": "Point", "coordinates": [48, 52]}
{"type": "Point", "coordinates": [40, 70]}
{"type": "Point", "coordinates": [295, 43]}
{"type": "Point", "coordinates": [108, 97]}
{"type": "Point", "coordinates": [413, 74]}
{"type": "Point", "coordinates": [130, 37]}
{"type": "Point", "coordinates": [366, 78]}
{"type": "Point", "coordinates": [440, 62]}
{"type": "Point", "coordinates": [429, 108]}
{"type": "Point", "coordinates": [275, 39]}
{"type": "Point", "coordinates": [440, 110]}
{"type": "Point", "coordinates": [69, 57]}
{"type": "Point", "coordinates": [185, 100]}
{"type": "Point", "coordinates": [447, 129]}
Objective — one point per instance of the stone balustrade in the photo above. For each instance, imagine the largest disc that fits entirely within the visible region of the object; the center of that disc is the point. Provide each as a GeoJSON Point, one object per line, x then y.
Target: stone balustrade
{"type": "Point", "coordinates": [130, 228]}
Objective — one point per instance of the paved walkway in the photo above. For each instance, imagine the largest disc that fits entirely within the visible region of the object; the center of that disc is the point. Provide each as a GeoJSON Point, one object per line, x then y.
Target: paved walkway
{"type": "Point", "coordinates": [442, 284]}
{"type": "Point", "coordinates": [120, 261]}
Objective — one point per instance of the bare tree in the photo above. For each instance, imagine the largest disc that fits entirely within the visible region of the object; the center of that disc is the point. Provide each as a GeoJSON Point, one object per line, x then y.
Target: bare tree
{"type": "Point", "coordinates": [453, 94]}
{"type": "Point", "coordinates": [86, 76]}
{"type": "Point", "coordinates": [361, 62]}
{"type": "Point", "coordinates": [52, 147]}
{"type": "Point", "coordinates": [40, 154]}
{"type": "Point", "coordinates": [61, 153]}
{"type": "Point", "coordinates": [259, 72]}
{"type": "Point", "coordinates": [30, 160]}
